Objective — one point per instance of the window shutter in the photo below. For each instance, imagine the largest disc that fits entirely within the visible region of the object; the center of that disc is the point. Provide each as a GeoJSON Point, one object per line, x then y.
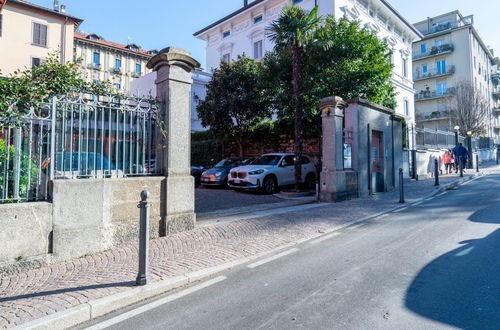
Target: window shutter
{"type": "Point", "coordinates": [43, 35]}
{"type": "Point", "coordinates": [36, 33]}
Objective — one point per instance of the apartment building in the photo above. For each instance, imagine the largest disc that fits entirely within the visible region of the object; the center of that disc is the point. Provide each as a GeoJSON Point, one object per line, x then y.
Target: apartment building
{"type": "Point", "coordinates": [451, 51]}
{"type": "Point", "coordinates": [102, 60]}
{"type": "Point", "coordinates": [244, 32]}
{"type": "Point", "coordinates": [29, 32]}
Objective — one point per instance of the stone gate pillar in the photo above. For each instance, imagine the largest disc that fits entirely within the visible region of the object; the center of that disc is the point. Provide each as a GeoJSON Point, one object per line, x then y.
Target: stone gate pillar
{"type": "Point", "coordinates": [332, 181]}
{"type": "Point", "coordinates": [173, 86]}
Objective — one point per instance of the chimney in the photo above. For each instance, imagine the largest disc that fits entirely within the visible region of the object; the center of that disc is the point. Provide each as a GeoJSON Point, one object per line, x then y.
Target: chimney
{"type": "Point", "coordinates": [63, 9]}
{"type": "Point", "coordinates": [56, 5]}
{"type": "Point", "coordinates": [245, 3]}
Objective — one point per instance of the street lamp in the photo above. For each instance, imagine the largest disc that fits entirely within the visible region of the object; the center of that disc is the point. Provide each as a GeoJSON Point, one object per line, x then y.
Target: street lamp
{"type": "Point", "coordinates": [457, 128]}
{"type": "Point", "coordinates": [469, 148]}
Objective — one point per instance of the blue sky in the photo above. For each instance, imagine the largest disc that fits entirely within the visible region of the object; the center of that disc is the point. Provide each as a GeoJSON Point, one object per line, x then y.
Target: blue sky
{"type": "Point", "coordinates": [155, 24]}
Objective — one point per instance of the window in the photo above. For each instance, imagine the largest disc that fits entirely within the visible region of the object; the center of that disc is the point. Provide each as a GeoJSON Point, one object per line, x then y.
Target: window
{"type": "Point", "coordinates": [257, 19]}
{"type": "Point", "coordinates": [0, 25]}
{"type": "Point", "coordinates": [425, 68]}
{"type": "Point", "coordinates": [441, 66]}
{"type": "Point", "coordinates": [297, 1]}
{"type": "Point", "coordinates": [96, 60]}
{"type": "Point", "coordinates": [439, 43]}
{"type": "Point", "coordinates": [304, 160]}
{"type": "Point", "coordinates": [40, 34]}
{"type": "Point", "coordinates": [406, 107]}
{"type": "Point", "coordinates": [347, 155]}
{"type": "Point", "coordinates": [441, 88]}
{"type": "Point", "coordinates": [288, 161]}
{"type": "Point", "coordinates": [117, 86]}
{"type": "Point", "coordinates": [405, 67]}
{"type": "Point", "coordinates": [423, 48]}
{"type": "Point", "coordinates": [226, 34]}
{"type": "Point", "coordinates": [118, 63]}
{"type": "Point", "coordinates": [35, 62]}
{"type": "Point", "coordinates": [226, 58]}
{"type": "Point", "coordinates": [257, 49]}
{"type": "Point", "coordinates": [138, 69]}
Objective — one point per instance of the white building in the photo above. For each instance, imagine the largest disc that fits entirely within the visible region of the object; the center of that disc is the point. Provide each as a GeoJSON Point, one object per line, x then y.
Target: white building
{"type": "Point", "coordinates": [145, 87]}
{"type": "Point", "coordinates": [244, 32]}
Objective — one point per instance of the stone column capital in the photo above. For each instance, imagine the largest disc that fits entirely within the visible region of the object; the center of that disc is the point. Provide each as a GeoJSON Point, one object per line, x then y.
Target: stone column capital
{"type": "Point", "coordinates": [173, 56]}
{"type": "Point", "coordinates": [332, 105]}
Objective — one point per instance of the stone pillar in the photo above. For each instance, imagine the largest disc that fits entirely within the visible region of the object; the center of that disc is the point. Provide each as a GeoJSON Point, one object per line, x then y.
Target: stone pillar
{"type": "Point", "coordinates": [332, 114]}
{"type": "Point", "coordinates": [174, 68]}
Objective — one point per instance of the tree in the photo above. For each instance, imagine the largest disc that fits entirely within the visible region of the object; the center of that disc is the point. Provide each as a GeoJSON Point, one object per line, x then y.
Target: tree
{"type": "Point", "coordinates": [234, 104]}
{"type": "Point", "coordinates": [292, 32]}
{"type": "Point", "coordinates": [469, 109]}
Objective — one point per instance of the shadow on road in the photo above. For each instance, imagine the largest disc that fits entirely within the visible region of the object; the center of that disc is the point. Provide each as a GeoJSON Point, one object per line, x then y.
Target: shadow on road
{"type": "Point", "coordinates": [462, 288]}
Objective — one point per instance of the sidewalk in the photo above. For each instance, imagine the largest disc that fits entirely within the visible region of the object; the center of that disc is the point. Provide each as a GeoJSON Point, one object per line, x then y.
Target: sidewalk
{"type": "Point", "coordinates": [58, 287]}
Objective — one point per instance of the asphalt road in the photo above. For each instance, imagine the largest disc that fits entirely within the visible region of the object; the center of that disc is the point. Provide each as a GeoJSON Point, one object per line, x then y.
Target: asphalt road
{"type": "Point", "coordinates": [431, 266]}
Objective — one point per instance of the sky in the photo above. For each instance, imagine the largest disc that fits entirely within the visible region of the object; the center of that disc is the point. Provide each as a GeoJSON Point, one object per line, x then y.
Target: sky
{"type": "Point", "coordinates": [156, 24]}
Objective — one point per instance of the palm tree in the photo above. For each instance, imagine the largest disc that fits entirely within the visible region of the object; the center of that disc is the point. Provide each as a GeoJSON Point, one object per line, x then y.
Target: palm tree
{"type": "Point", "coordinates": [292, 32]}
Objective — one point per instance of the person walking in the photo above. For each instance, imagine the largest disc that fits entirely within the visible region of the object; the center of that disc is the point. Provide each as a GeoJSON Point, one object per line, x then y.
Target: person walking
{"type": "Point", "coordinates": [461, 156]}
{"type": "Point", "coordinates": [448, 161]}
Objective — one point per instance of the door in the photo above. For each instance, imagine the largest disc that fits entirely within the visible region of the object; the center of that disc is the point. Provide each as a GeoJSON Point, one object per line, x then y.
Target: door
{"type": "Point", "coordinates": [286, 173]}
{"type": "Point", "coordinates": [377, 157]}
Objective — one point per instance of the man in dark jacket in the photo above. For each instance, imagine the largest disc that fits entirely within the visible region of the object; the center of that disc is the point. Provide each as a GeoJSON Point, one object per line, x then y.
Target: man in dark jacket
{"type": "Point", "coordinates": [461, 156]}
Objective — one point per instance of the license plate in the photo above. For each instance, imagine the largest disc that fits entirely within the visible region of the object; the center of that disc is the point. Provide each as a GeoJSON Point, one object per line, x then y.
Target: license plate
{"type": "Point", "coordinates": [237, 181]}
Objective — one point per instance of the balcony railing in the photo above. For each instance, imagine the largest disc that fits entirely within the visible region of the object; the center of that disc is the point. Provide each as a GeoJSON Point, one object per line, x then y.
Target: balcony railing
{"type": "Point", "coordinates": [496, 91]}
{"type": "Point", "coordinates": [449, 25]}
{"type": "Point", "coordinates": [136, 74]}
{"type": "Point", "coordinates": [435, 50]}
{"type": "Point", "coordinates": [435, 115]}
{"type": "Point", "coordinates": [433, 73]}
{"type": "Point", "coordinates": [116, 70]}
{"type": "Point", "coordinates": [429, 95]}
{"type": "Point", "coordinates": [495, 76]}
{"type": "Point", "coordinates": [496, 111]}
{"type": "Point", "coordinates": [95, 66]}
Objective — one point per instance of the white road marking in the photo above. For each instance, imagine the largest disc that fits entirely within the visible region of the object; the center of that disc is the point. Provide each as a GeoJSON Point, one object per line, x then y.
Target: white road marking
{"type": "Point", "coordinates": [155, 304]}
{"type": "Point", "coordinates": [324, 238]}
{"type": "Point", "coordinates": [441, 194]}
{"type": "Point", "coordinates": [418, 203]}
{"type": "Point", "coordinates": [429, 199]}
{"type": "Point", "coordinates": [277, 256]}
{"type": "Point", "coordinates": [400, 210]}
{"type": "Point", "coordinates": [356, 226]}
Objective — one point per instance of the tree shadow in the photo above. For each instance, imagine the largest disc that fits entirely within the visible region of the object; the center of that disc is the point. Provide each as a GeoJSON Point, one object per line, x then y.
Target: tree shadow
{"type": "Point", "coordinates": [462, 287]}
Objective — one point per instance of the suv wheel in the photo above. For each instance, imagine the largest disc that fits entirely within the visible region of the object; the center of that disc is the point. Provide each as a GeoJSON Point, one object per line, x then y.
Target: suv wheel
{"type": "Point", "coordinates": [269, 186]}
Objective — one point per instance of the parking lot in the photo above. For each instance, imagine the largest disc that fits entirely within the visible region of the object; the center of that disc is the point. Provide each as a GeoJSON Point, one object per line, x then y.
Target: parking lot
{"type": "Point", "coordinates": [218, 199]}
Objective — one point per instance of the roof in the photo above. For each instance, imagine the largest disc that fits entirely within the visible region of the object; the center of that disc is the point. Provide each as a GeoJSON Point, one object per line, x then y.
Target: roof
{"type": "Point", "coordinates": [111, 44]}
{"type": "Point", "coordinates": [241, 10]}
{"type": "Point", "coordinates": [31, 5]}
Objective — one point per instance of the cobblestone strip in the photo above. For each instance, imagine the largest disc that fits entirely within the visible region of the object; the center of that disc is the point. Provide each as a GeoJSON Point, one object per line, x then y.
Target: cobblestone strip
{"type": "Point", "coordinates": [57, 287]}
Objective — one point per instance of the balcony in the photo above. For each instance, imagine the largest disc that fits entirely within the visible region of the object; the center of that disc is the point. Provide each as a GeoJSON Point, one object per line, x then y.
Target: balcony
{"type": "Point", "coordinates": [433, 73]}
{"type": "Point", "coordinates": [136, 74]}
{"type": "Point", "coordinates": [433, 95]}
{"type": "Point", "coordinates": [495, 77]}
{"type": "Point", "coordinates": [435, 50]}
{"type": "Point", "coordinates": [435, 115]}
{"type": "Point", "coordinates": [94, 66]}
{"type": "Point", "coordinates": [496, 111]}
{"type": "Point", "coordinates": [116, 70]}
{"type": "Point", "coordinates": [496, 91]}
{"type": "Point", "coordinates": [440, 27]}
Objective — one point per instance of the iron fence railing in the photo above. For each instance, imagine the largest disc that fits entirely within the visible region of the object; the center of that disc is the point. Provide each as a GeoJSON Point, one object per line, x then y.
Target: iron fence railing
{"type": "Point", "coordinates": [426, 138]}
{"type": "Point", "coordinates": [79, 136]}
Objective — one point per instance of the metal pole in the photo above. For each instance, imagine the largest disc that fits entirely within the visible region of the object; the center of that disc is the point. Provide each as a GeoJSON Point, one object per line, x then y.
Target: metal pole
{"type": "Point", "coordinates": [469, 146]}
{"type": "Point", "coordinates": [53, 118]}
{"type": "Point", "coordinates": [143, 275]}
{"type": "Point", "coordinates": [498, 155]}
{"type": "Point", "coordinates": [456, 138]}
{"type": "Point", "coordinates": [436, 172]}
{"type": "Point", "coordinates": [461, 166]}
{"type": "Point", "coordinates": [477, 163]}
{"type": "Point", "coordinates": [401, 187]}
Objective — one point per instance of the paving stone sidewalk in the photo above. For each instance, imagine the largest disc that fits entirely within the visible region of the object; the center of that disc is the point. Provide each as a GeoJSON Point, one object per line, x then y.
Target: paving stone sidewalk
{"type": "Point", "coordinates": [39, 292]}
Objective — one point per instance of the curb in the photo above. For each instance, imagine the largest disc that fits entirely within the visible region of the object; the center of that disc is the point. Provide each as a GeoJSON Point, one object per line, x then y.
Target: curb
{"type": "Point", "coordinates": [99, 307]}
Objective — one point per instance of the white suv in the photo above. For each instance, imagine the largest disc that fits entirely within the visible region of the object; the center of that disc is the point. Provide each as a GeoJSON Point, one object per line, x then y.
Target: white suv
{"type": "Point", "coordinates": [271, 171]}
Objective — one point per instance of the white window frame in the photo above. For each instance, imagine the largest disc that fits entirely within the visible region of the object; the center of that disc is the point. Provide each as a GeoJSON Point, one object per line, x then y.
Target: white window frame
{"type": "Point", "coordinates": [254, 44]}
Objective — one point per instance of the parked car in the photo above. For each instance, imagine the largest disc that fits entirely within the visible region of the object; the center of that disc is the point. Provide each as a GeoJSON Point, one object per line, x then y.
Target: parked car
{"type": "Point", "coordinates": [270, 172]}
{"type": "Point", "coordinates": [196, 172]}
{"type": "Point", "coordinates": [217, 175]}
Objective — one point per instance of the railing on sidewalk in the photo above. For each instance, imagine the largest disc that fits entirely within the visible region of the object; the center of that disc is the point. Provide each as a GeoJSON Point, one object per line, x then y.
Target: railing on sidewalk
{"type": "Point", "coordinates": [78, 136]}
{"type": "Point", "coordinates": [433, 138]}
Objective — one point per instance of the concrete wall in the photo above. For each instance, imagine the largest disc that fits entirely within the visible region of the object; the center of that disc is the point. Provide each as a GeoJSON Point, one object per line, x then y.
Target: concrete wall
{"type": "Point", "coordinates": [94, 215]}
{"type": "Point", "coordinates": [24, 234]}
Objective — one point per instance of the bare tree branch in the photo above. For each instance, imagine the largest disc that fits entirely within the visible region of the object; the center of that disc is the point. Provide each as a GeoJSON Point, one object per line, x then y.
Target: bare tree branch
{"type": "Point", "coordinates": [469, 109]}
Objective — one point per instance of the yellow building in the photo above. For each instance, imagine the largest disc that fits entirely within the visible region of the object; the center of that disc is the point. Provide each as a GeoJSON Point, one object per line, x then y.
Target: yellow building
{"type": "Point", "coordinates": [103, 60]}
{"type": "Point", "coordinates": [29, 32]}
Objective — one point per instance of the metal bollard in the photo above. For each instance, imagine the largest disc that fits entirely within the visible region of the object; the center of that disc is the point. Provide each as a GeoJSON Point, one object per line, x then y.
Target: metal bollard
{"type": "Point", "coordinates": [436, 172]}
{"type": "Point", "coordinates": [498, 156]}
{"type": "Point", "coordinates": [477, 163]}
{"type": "Point", "coordinates": [461, 166]}
{"type": "Point", "coordinates": [143, 275]}
{"type": "Point", "coordinates": [401, 187]}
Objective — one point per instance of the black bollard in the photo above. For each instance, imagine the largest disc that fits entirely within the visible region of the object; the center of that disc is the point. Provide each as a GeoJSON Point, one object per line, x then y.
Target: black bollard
{"type": "Point", "coordinates": [436, 172]}
{"type": "Point", "coordinates": [401, 187]}
{"type": "Point", "coordinates": [477, 163]}
{"type": "Point", "coordinates": [143, 275]}
{"type": "Point", "coordinates": [461, 166]}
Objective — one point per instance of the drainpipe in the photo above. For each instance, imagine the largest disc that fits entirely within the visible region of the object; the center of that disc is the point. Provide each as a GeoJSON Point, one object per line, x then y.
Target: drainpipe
{"type": "Point", "coordinates": [63, 41]}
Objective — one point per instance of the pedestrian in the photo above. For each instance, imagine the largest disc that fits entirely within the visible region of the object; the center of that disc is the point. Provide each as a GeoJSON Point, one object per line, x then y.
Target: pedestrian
{"type": "Point", "coordinates": [448, 161]}
{"type": "Point", "coordinates": [461, 156]}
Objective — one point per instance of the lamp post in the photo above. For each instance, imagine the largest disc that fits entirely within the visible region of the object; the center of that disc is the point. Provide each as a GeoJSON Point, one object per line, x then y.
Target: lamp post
{"type": "Point", "coordinates": [456, 128]}
{"type": "Point", "coordinates": [469, 149]}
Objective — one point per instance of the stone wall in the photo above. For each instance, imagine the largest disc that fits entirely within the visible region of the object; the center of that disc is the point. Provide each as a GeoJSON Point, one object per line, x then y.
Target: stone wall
{"type": "Point", "coordinates": [25, 235]}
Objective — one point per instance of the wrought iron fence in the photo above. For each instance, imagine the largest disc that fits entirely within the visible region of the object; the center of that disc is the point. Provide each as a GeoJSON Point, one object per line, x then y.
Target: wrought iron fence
{"type": "Point", "coordinates": [432, 138]}
{"type": "Point", "coordinates": [79, 136]}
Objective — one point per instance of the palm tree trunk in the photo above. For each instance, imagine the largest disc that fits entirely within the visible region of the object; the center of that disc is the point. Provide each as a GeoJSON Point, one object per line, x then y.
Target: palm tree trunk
{"type": "Point", "coordinates": [297, 91]}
